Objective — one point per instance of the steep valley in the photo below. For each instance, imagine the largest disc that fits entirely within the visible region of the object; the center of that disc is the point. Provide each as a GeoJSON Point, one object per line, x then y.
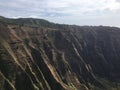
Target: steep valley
{"type": "Point", "coordinates": [39, 55]}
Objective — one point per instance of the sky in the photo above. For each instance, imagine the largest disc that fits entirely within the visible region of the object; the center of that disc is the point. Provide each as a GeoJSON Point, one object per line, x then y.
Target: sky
{"type": "Point", "coordinates": [79, 12]}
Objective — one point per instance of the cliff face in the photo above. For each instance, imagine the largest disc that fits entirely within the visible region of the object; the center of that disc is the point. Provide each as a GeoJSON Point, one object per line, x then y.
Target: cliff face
{"type": "Point", "coordinates": [39, 55]}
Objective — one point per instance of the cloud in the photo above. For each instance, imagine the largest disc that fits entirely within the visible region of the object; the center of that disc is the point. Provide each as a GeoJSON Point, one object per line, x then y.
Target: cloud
{"type": "Point", "coordinates": [118, 0]}
{"type": "Point", "coordinates": [66, 9]}
{"type": "Point", "coordinates": [73, 7]}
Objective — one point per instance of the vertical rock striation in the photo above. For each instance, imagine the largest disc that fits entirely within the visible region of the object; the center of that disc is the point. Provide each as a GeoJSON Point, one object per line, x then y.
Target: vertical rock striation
{"type": "Point", "coordinates": [39, 55]}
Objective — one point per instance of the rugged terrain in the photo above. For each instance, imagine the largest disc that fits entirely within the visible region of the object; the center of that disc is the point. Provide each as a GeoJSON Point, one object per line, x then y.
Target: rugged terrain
{"type": "Point", "coordinates": [39, 55]}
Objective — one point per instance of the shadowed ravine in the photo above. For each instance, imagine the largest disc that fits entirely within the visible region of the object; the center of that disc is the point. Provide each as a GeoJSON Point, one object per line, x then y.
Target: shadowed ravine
{"type": "Point", "coordinates": [38, 55]}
